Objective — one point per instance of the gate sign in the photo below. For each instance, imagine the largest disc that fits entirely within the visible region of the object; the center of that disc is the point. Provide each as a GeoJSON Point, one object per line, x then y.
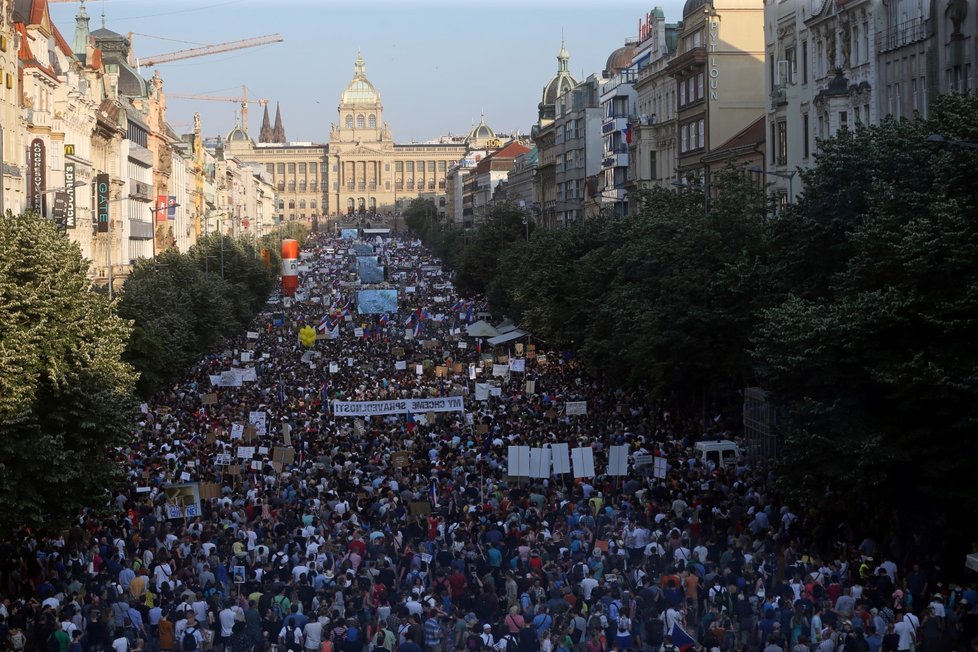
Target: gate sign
{"type": "Point", "coordinates": [102, 202]}
{"type": "Point", "coordinates": [38, 177]}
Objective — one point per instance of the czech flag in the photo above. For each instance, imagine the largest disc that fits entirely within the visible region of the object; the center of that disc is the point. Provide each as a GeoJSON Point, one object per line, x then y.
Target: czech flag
{"type": "Point", "coordinates": [411, 424]}
{"type": "Point", "coordinates": [681, 639]}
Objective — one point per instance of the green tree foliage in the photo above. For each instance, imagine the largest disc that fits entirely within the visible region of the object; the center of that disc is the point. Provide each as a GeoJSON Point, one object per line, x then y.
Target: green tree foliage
{"type": "Point", "coordinates": [65, 394]}
{"type": "Point", "coordinates": [873, 349]}
{"type": "Point", "coordinates": [185, 305]}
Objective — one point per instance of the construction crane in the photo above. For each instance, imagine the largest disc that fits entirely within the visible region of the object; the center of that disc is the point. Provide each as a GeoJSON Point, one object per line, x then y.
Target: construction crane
{"type": "Point", "coordinates": [209, 49]}
{"type": "Point", "coordinates": [244, 100]}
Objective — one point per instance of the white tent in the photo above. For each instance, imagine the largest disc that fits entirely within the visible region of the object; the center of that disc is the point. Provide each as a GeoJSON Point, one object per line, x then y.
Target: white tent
{"type": "Point", "coordinates": [481, 328]}
{"type": "Point", "coordinates": [508, 336]}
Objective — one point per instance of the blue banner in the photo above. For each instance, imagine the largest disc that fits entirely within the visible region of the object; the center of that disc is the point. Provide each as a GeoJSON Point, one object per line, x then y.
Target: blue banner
{"type": "Point", "coordinates": [376, 302]}
{"type": "Point", "coordinates": [349, 234]}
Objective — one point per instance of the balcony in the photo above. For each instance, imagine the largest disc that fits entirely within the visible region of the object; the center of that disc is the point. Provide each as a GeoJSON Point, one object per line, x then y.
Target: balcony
{"type": "Point", "coordinates": [778, 97]}
{"type": "Point", "coordinates": [905, 33]}
{"type": "Point", "coordinates": [614, 123]}
{"type": "Point", "coordinates": [617, 157]}
{"type": "Point", "coordinates": [139, 230]}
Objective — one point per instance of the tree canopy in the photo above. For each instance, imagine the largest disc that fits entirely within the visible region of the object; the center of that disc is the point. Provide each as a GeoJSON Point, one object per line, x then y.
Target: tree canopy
{"type": "Point", "coordinates": [65, 394]}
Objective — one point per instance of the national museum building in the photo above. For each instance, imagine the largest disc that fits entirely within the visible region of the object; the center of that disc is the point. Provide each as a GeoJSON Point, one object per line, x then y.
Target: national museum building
{"type": "Point", "coordinates": [361, 170]}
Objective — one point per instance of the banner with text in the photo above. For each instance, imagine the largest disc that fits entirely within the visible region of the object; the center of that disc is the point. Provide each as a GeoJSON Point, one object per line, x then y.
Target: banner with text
{"type": "Point", "coordinates": [400, 406]}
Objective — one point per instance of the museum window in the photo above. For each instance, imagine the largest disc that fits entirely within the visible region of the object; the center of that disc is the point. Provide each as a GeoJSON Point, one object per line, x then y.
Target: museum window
{"type": "Point", "coordinates": [302, 168]}
{"type": "Point", "coordinates": [281, 169]}
{"type": "Point", "coordinates": [291, 204]}
{"type": "Point", "coordinates": [302, 204]}
{"type": "Point", "coordinates": [291, 168]}
{"type": "Point", "coordinates": [431, 166]}
{"type": "Point", "coordinates": [372, 121]}
{"type": "Point", "coordinates": [349, 122]}
{"type": "Point", "coordinates": [360, 122]}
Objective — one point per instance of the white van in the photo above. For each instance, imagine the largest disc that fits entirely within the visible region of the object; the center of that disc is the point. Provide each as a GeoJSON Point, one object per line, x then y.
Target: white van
{"type": "Point", "coordinates": [721, 452]}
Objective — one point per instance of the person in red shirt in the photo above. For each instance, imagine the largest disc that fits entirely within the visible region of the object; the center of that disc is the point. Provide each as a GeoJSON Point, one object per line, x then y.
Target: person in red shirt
{"type": "Point", "coordinates": [357, 545]}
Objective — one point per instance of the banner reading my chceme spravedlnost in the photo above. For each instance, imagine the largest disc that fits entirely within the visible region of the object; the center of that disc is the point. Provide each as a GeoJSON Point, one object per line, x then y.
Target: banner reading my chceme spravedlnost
{"type": "Point", "coordinates": [399, 406]}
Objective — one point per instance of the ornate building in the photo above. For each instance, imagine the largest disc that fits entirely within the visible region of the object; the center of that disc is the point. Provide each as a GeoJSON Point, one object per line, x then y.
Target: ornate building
{"type": "Point", "coordinates": [361, 170]}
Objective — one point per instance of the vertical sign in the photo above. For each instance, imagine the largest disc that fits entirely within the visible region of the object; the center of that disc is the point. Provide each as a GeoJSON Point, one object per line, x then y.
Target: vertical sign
{"type": "Point", "coordinates": [102, 202]}
{"type": "Point", "coordinates": [69, 207]}
{"type": "Point", "coordinates": [38, 178]}
{"type": "Point", "coordinates": [58, 210]}
{"type": "Point", "coordinates": [171, 207]}
{"type": "Point", "coordinates": [161, 208]}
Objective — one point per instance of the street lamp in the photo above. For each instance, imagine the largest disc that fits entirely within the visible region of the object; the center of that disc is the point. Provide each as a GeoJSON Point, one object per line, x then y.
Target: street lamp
{"type": "Point", "coordinates": [938, 138]}
{"type": "Point", "coordinates": [790, 176]}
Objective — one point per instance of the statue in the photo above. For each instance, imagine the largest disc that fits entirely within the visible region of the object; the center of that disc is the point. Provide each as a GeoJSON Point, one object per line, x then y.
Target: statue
{"type": "Point", "coordinates": [385, 133]}
{"type": "Point", "coordinates": [830, 48]}
{"type": "Point", "coordinates": [846, 32]}
{"type": "Point", "coordinates": [957, 11]}
{"type": "Point", "coordinates": [196, 122]}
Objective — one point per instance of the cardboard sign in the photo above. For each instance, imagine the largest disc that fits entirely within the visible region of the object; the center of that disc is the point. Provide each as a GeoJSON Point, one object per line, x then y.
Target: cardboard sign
{"type": "Point", "coordinates": [419, 508]}
{"type": "Point", "coordinates": [283, 455]}
{"type": "Point", "coordinates": [250, 433]}
{"type": "Point", "coordinates": [209, 490]}
{"type": "Point", "coordinates": [482, 429]}
{"type": "Point", "coordinates": [398, 352]}
{"type": "Point", "coordinates": [441, 371]}
{"type": "Point", "coordinates": [575, 408]}
{"type": "Point", "coordinates": [208, 399]}
{"type": "Point", "coordinates": [400, 459]}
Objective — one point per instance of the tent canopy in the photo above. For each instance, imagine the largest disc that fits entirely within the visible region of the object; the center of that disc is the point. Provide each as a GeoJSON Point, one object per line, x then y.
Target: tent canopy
{"type": "Point", "coordinates": [481, 328]}
{"type": "Point", "coordinates": [505, 326]}
{"type": "Point", "coordinates": [514, 334]}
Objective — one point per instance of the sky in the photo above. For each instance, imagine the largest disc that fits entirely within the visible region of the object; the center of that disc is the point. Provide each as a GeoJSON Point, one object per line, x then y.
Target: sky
{"type": "Point", "coordinates": [437, 64]}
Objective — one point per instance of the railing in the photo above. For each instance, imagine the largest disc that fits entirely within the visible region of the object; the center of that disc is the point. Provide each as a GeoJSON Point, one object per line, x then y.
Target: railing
{"type": "Point", "coordinates": [778, 97]}
{"type": "Point", "coordinates": [905, 33]}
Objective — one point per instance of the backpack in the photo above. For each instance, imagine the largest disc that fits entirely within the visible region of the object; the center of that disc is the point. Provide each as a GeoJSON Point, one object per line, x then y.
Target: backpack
{"type": "Point", "coordinates": [473, 643]}
{"type": "Point", "coordinates": [53, 644]}
{"type": "Point", "coordinates": [577, 573]}
{"type": "Point", "coordinates": [614, 610]}
{"type": "Point", "coordinates": [189, 641]}
{"type": "Point", "coordinates": [277, 607]}
{"type": "Point", "coordinates": [720, 598]}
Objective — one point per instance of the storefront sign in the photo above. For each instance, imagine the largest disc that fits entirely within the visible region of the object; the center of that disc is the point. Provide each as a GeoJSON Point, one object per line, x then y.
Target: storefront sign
{"type": "Point", "coordinates": [102, 202]}
{"type": "Point", "coordinates": [69, 207]}
{"type": "Point", "coordinates": [38, 177]}
{"type": "Point", "coordinates": [714, 65]}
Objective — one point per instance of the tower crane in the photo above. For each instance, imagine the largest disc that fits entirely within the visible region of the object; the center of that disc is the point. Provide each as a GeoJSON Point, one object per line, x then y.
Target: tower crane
{"type": "Point", "coordinates": [244, 100]}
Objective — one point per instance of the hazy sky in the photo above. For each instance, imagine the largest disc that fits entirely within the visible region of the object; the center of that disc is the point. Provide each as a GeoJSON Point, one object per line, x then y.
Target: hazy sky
{"type": "Point", "coordinates": [437, 64]}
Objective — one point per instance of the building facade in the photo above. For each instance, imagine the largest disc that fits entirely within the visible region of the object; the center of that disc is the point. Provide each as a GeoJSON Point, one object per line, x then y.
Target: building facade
{"type": "Point", "coordinates": [577, 147]}
{"type": "Point", "coordinates": [360, 171]}
{"type": "Point", "coordinates": [832, 65]}
{"type": "Point", "coordinates": [544, 135]}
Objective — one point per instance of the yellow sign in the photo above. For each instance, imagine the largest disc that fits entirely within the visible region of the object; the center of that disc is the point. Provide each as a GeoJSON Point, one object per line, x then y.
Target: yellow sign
{"type": "Point", "coordinates": [69, 150]}
{"type": "Point", "coordinates": [493, 144]}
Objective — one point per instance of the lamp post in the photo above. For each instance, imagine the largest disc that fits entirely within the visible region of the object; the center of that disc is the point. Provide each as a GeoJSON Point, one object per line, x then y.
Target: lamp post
{"type": "Point", "coordinates": [790, 176]}
{"type": "Point", "coordinates": [943, 140]}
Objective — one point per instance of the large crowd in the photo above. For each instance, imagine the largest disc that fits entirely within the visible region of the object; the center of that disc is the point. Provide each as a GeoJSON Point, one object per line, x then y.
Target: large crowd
{"type": "Point", "coordinates": [407, 534]}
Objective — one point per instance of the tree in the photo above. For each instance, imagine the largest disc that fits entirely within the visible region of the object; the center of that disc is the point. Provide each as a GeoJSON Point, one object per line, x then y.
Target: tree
{"type": "Point", "coordinates": [65, 394]}
{"type": "Point", "coordinates": [874, 358]}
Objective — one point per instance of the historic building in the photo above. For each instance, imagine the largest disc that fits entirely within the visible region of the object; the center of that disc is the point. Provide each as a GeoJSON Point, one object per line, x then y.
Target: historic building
{"type": "Point", "coordinates": [544, 136]}
{"type": "Point", "coordinates": [834, 64]}
{"type": "Point", "coordinates": [718, 68]}
{"type": "Point", "coordinates": [577, 147]}
{"type": "Point", "coordinates": [360, 171]}
{"type": "Point", "coordinates": [653, 152]}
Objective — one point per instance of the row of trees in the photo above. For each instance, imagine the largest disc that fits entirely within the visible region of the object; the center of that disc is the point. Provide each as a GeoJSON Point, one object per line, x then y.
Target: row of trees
{"type": "Point", "coordinates": [856, 307]}
{"type": "Point", "coordinates": [72, 362]}
{"type": "Point", "coordinates": [186, 304]}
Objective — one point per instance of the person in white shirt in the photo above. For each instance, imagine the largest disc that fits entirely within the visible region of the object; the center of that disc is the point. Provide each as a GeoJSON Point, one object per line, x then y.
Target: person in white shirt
{"type": "Point", "coordinates": [905, 629]}
{"type": "Point", "coordinates": [313, 633]}
{"type": "Point", "coordinates": [587, 585]}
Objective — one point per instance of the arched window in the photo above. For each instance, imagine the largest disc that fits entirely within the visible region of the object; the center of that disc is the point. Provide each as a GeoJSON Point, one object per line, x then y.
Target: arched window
{"type": "Point", "coordinates": [360, 122]}
{"type": "Point", "coordinates": [349, 122]}
{"type": "Point", "coordinates": [372, 121]}
{"type": "Point", "coordinates": [302, 203]}
{"type": "Point", "coordinates": [292, 204]}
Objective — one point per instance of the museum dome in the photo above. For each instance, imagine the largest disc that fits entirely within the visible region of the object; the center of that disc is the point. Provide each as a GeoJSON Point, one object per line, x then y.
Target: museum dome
{"type": "Point", "coordinates": [693, 5]}
{"type": "Point", "coordinates": [481, 132]}
{"type": "Point", "coordinates": [619, 60]}
{"type": "Point", "coordinates": [360, 90]}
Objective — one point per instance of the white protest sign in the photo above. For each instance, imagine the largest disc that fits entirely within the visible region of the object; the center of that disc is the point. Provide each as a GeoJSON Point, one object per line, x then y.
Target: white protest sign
{"type": "Point", "coordinates": [560, 458]}
{"type": "Point", "coordinates": [398, 406]}
{"type": "Point", "coordinates": [409, 289]}
{"type": "Point", "coordinates": [409, 333]}
{"type": "Point", "coordinates": [246, 452]}
{"type": "Point", "coordinates": [575, 408]}
{"type": "Point", "coordinates": [482, 391]}
{"type": "Point", "coordinates": [222, 459]}
{"type": "Point", "coordinates": [357, 332]}
{"type": "Point", "coordinates": [185, 476]}
{"type": "Point", "coordinates": [517, 365]}
{"type": "Point", "coordinates": [257, 419]}
{"type": "Point", "coordinates": [400, 365]}
{"type": "Point", "coordinates": [252, 335]}
{"type": "Point", "coordinates": [230, 379]}
{"type": "Point", "coordinates": [659, 468]}
{"type": "Point", "coordinates": [583, 459]}
{"type": "Point", "coordinates": [618, 460]}
{"type": "Point", "coordinates": [256, 466]}
{"type": "Point", "coordinates": [539, 462]}
{"type": "Point", "coordinates": [519, 461]}
{"type": "Point", "coordinates": [246, 356]}
{"type": "Point", "coordinates": [333, 368]}
{"type": "Point", "coordinates": [500, 369]}
{"type": "Point", "coordinates": [263, 450]}
{"type": "Point", "coordinates": [237, 430]}
{"type": "Point", "coordinates": [495, 391]}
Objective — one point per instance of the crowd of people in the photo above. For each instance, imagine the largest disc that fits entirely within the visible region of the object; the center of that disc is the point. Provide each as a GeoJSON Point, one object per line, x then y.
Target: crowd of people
{"type": "Point", "coordinates": [406, 533]}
